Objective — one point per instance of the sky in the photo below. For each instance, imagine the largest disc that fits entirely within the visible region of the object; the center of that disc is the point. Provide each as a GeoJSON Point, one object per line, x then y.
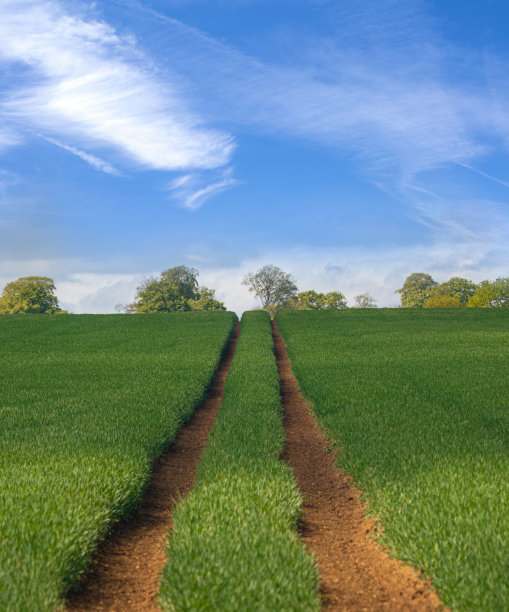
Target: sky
{"type": "Point", "coordinates": [351, 143]}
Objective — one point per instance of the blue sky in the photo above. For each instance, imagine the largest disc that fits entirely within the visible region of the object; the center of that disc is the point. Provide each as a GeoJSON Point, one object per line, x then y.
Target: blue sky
{"type": "Point", "coordinates": [350, 143]}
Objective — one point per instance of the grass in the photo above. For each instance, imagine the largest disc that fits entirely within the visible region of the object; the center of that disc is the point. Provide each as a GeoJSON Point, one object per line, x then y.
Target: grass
{"type": "Point", "coordinates": [418, 403]}
{"type": "Point", "coordinates": [234, 544]}
{"type": "Point", "coordinates": [86, 402]}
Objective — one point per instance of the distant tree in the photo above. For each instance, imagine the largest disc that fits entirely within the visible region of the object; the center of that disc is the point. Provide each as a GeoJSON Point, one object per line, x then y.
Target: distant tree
{"type": "Point", "coordinates": [311, 300]}
{"type": "Point", "coordinates": [443, 301]}
{"type": "Point", "coordinates": [364, 300]}
{"type": "Point", "coordinates": [458, 287]}
{"type": "Point", "coordinates": [184, 280]}
{"type": "Point", "coordinates": [206, 301]}
{"type": "Point", "coordinates": [491, 294]}
{"type": "Point", "coordinates": [334, 300]}
{"type": "Point", "coordinates": [308, 300]}
{"type": "Point", "coordinates": [416, 290]}
{"type": "Point", "coordinates": [30, 294]}
{"type": "Point", "coordinates": [175, 290]}
{"type": "Point", "coordinates": [272, 286]}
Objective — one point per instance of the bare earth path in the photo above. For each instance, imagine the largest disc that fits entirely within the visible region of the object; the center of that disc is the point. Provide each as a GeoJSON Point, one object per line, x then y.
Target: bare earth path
{"type": "Point", "coordinates": [129, 562]}
{"type": "Point", "coordinates": [356, 573]}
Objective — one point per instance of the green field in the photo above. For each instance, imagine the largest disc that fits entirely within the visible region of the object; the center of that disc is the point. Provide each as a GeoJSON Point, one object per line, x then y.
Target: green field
{"type": "Point", "coordinates": [86, 401]}
{"type": "Point", "coordinates": [418, 403]}
{"type": "Point", "coordinates": [235, 544]}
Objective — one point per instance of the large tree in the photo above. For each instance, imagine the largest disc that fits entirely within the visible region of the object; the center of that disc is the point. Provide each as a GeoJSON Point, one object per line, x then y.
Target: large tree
{"type": "Point", "coordinates": [416, 290]}
{"type": "Point", "coordinates": [30, 294]}
{"type": "Point", "coordinates": [176, 289]}
{"type": "Point", "coordinates": [455, 287]}
{"type": "Point", "coordinates": [491, 294]}
{"type": "Point", "coordinates": [272, 286]}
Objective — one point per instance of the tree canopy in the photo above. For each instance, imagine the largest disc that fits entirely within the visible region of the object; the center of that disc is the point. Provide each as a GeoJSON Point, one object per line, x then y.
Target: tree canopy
{"type": "Point", "coordinates": [271, 285]}
{"type": "Point", "coordinates": [491, 294]}
{"type": "Point", "coordinates": [420, 290]}
{"type": "Point", "coordinates": [30, 294]}
{"type": "Point", "coordinates": [176, 289]}
{"type": "Point", "coordinates": [443, 301]}
{"type": "Point", "coordinates": [455, 287]}
{"type": "Point", "coordinates": [416, 290]}
{"type": "Point", "coordinates": [312, 300]}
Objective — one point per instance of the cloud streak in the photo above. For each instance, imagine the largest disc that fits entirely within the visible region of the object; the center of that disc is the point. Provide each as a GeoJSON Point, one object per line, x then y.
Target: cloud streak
{"type": "Point", "coordinates": [382, 87]}
{"type": "Point", "coordinates": [84, 82]}
{"type": "Point", "coordinates": [193, 190]}
{"type": "Point", "coordinates": [380, 103]}
{"type": "Point", "coordinates": [95, 162]}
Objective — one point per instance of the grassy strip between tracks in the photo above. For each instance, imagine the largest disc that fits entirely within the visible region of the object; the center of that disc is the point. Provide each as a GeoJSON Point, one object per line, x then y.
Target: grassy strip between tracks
{"type": "Point", "coordinates": [234, 544]}
{"type": "Point", "coordinates": [86, 401]}
{"type": "Point", "coordinates": [418, 404]}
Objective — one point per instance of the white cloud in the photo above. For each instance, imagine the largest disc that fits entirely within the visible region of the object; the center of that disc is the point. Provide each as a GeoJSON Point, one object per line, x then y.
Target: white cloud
{"type": "Point", "coordinates": [84, 82]}
{"type": "Point", "coordinates": [382, 86]}
{"type": "Point", "coordinates": [380, 103]}
{"type": "Point", "coordinates": [352, 271]}
{"type": "Point", "coordinates": [378, 271]}
{"type": "Point", "coordinates": [95, 292]}
{"type": "Point", "coordinates": [8, 138]}
{"type": "Point", "coordinates": [193, 190]}
{"type": "Point", "coordinates": [95, 162]}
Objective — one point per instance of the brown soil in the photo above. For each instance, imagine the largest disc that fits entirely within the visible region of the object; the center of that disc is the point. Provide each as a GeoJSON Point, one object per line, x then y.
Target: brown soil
{"type": "Point", "coordinates": [129, 562]}
{"type": "Point", "coordinates": [356, 573]}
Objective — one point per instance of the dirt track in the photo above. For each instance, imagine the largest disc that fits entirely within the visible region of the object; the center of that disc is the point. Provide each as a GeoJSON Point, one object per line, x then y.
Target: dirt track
{"type": "Point", "coordinates": [129, 562]}
{"type": "Point", "coordinates": [356, 573]}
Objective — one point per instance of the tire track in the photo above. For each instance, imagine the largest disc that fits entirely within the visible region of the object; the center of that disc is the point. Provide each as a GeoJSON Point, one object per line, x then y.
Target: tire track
{"type": "Point", "coordinates": [356, 573]}
{"type": "Point", "coordinates": [129, 562]}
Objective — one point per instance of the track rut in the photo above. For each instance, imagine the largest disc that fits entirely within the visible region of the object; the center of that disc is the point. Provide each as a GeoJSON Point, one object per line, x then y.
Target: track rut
{"type": "Point", "coordinates": [128, 563]}
{"type": "Point", "coordinates": [355, 572]}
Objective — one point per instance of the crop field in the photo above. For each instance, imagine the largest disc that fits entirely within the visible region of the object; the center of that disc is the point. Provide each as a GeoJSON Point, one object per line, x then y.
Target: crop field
{"type": "Point", "coordinates": [86, 402]}
{"type": "Point", "coordinates": [234, 545]}
{"type": "Point", "coordinates": [418, 404]}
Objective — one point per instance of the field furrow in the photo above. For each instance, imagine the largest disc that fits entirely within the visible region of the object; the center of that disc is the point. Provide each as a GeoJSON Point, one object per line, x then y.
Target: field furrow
{"type": "Point", "coordinates": [355, 572]}
{"type": "Point", "coordinates": [130, 560]}
{"type": "Point", "coordinates": [416, 402]}
{"type": "Point", "coordinates": [86, 403]}
{"type": "Point", "coordinates": [234, 545]}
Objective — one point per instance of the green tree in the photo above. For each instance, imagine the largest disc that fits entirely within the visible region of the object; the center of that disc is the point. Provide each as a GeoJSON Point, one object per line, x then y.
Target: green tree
{"type": "Point", "coordinates": [30, 294]}
{"type": "Point", "coordinates": [334, 300]}
{"type": "Point", "coordinates": [456, 287]}
{"type": "Point", "coordinates": [175, 290]}
{"type": "Point", "coordinates": [491, 294]}
{"type": "Point", "coordinates": [416, 290]}
{"type": "Point", "coordinates": [308, 300]}
{"type": "Point", "coordinates": [206, 301]}
{"type": "Point", "coordinates": [184, 280]}
{"type": "Point", "coordinates": [272, 286]}
{"type": "Point", "coordinates": [443, 301]}
{"type": "Point", "coordinates": [311, 300]}
{"type": "Point", "coordinates": [364, 300]}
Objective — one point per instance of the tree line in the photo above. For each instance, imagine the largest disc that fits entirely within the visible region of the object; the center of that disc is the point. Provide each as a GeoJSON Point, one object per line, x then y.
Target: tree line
{"type": "Point", "coordinates": [420, 290]}
{"type": "Point", "coordinates": [177, 289]}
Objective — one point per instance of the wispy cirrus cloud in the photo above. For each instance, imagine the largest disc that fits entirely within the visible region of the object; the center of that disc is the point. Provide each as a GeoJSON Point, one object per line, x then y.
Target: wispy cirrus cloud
{"type": "Point", "coordinates": [82, 82]}
{"type": "Point", "coordinates": [8, 138]}
{"type": "Point", "coordinates": [193, 190]}
{"type": "Point", "coordinates": [382, 101]}
{"type": "Point", "coordinates": [381, 86]}
{"type": "Point", "coordinates": [96, 162]}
